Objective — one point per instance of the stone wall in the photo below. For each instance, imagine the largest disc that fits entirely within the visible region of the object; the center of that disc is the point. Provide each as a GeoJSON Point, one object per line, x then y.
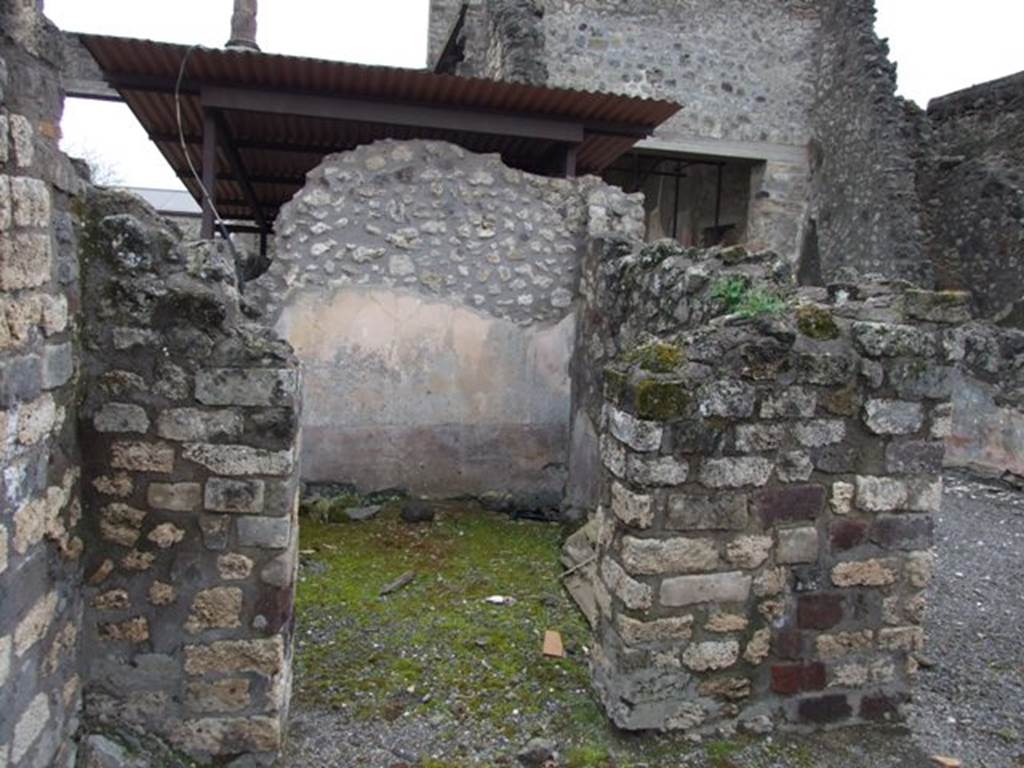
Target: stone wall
{"type": "Point", "coordinates": [40, 546]}
{"type": "Point", "coordinates": [987, 434]}
{"type": "Point", "coordinates": [864, 205]}
{"type": "Point", "coordinates": [743, 71]}
{"type": "Point", "coordinates": [189, 428]}
{"type": "Point", "coordinates": [765, 528]}
{"type": "Point", "coordinates": [429, 293]}
{"type": "Point", "coordinates": [972, 185]}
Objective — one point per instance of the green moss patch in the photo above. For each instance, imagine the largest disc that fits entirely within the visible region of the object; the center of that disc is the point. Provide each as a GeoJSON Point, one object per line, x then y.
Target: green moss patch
{"type": "Point", "coordinates": [661, 400]}
{"type": "Point", "coordinates": [816, 323]}
{"type": "Point", "coordinates": [657, 357]}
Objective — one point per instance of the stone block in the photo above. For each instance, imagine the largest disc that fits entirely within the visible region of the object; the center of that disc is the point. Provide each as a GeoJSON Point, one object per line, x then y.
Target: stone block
{"type": "Point", "coordinates": [917, 380]}
{"type": "Point", "coordinates": [26, 261]}
{"type": "Point", "coordinates": [247, 386]}
{"type": "Point", "coordinates": [881, 494]}
{"type": "Point", "coordinates": [730, 587]}
{"type": "Point", "coordinates": [228, 735]}
{"type": "Point", "coordinates": [727, 398]}
{"type": "Point", "coordinates": [34, 625]}
{"type": "Point", "coordinates": [892, 340]}
{"type": "Point", "coordinates": [791, 503]}
{"type": "Point", "coordinates": [234, 566]}
{"type": "Point", "coordinates": [613, 456]}
{"type": "Point", "coordinates": [791, 403]}
{"type": "Point", "coordinates": [788, 679]}
{"type": "Point", "coordinates": [22, 140]}
{"type": "Point", "coordinates": [21, 379]}
{"type": "Point", "coordinates": [735, 472]}
{"type": "Point", "coordinates": [904, 532]}
{"type": "Point", "coordinates": [726, 623]}
{"type": "Point", "coordinates": [677, 629]}
{"type": "Point", "coordinates": [748, 552]}
{"type": "Point", "coordinates": [953, 307]}
{"type": "Point", "coordinates": [29, 727]}
{"type": "Point", "coordinates": [142, 457]}
{"type": "Point", "coordinates": [633, 509]}
{"type": "Point", "coordinates": [797, 545]}
{"type": "Point", "coordinates": [841, 500]}
{"type": "Point", "coordinates": [5, 659]}
{"type": "Point", "coordinates": [847, 534]}
{"type": "Point", "coordinates": [215, 530]}
{"type": "Point", "coordinates": [161, 593]}
{"type": "Point", "coordinates": [649, 557]}
{"type": "Point", "coordinates": [3, 548]}
{"type": "Point", "coordinates": [240, 459]}
{"type": "Point", "coordinates": [36, 419]}
{"type": "Point", "coordinates": [865, 573]}
{"type": "Point", "coordinates": [924, 494]}
{"type": "Point", "coordinates": [843, 643]}
{"type": "Point", "coordinates": [823, 369]}
{"type": "Point", "coordinates": [227, 695]}
{"type": "Point", "coordinates": [263, 656]}
{"type": "Point", "coordinates": [720, 512]}
{"type": "Point", "coordinates": [176, 497]}
{"type": "Point", "coordinates": [659, 471]}
{"type": "Point", "coordinates": [30, 202]}
{"type": "Point", "coordinates": [820, 432]}
{"type": "Point", "coordinates": [893, 417]}
{"type": "Point", "coordinates": [643, 436]}
{"type": "Point", "coordinates": [754, 438]}
{"type": "Point", "coordinates": [166, 535]}
{"type": "Point", "coordinates": [264, 532]}
{"type": "Point", "coordinates": [134, 631]}
{"type": "Point", "coordinates": [705, 657]}
{"type": "Point", "coordinates": [794, 467]}
{"type": "Point", "coordinates": [197, 425]}
{"type": "Point", "coordinates": [819, 611]}
{"type": "Point", "coordinates": [240, 496]}
{"type": "Point", "coordinates": [58, 365]}
{"type": "Point", "coordinates": [215, 608]}
{"type": "Point", "coordinates": [909, 457]}
{"type": "Point", "coordinates": [121, 524]}
{"type": "Point", "coordinates": [121, 417]}
{"type": "Point", "coordinates": [634, 594]}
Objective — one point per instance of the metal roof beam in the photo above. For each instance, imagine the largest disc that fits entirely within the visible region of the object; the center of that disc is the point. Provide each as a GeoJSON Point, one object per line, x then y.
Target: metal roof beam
{"type": "Point", "coordinates": [414, 115]}
{"type": "Point", "coordinates": [238, 169]}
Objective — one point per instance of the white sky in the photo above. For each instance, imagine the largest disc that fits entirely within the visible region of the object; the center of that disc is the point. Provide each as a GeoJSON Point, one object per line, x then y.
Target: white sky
{"type": "Point", "coordinates": [939, 45]}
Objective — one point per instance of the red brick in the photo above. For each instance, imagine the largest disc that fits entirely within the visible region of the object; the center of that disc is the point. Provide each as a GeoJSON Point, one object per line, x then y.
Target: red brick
{"type": "Point", "coordinates": [819, 611]}
{"type": "Point", "coordinates": [794, 678]}
{"type": "Point", "coordinates": [790, 503]}
{"type": "Point", "coordinates": [847, 534]}
{"type": "Point", "coordinates": [788, 644]}
{"type": "Point", "coordinates": [824, 709]}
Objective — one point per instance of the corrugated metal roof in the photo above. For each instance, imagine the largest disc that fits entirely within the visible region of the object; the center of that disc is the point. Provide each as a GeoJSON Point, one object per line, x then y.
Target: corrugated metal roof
{"type": "Point", "coordinates": [277, 150]}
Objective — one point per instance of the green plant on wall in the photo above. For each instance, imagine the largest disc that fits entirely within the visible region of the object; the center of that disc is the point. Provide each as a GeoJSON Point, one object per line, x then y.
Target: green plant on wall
{"type": "Point", "coordinates": [741, 299]}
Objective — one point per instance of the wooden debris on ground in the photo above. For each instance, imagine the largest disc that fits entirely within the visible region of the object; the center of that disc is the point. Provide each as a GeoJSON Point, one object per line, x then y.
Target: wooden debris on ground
{"type": "Point", "coordinates": [553, 646]}
{"type": "Point", "coordinates": [946, 762]}
{"type": "Point", "coordinates": [402, 581]}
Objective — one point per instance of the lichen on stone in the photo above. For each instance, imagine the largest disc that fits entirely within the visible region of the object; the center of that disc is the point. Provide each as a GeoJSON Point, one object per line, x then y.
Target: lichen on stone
{"type": "Point", "coordinates": [816, 323]}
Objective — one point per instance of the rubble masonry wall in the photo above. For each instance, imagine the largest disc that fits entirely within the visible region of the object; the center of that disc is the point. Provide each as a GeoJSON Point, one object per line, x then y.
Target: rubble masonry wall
{"type": "Point", "coordinates": [40, 511]}
{"type": "Point", "coordinates": [189, 429]}
{"type": "Point", "coordinates": [430, 294]}
{"type": "Point", "coordinates": [765, 525]}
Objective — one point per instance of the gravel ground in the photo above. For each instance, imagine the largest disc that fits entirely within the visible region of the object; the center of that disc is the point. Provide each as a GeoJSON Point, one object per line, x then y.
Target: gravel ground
{"type": "Point", "coordinates": [971, 703]}
{"type": "Point", "coordinates": [969, 700]}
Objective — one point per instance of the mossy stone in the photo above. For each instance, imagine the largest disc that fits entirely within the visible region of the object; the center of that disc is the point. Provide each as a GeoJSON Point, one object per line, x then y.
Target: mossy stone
{"type": "Point", "coordinates": [661, 400]}
{"type": "Point", "coordinates": [657, 357]}
{"type": "Point", "coordinates": [816, 323]}
{"type": "Point", "coordinates": [616, 383]}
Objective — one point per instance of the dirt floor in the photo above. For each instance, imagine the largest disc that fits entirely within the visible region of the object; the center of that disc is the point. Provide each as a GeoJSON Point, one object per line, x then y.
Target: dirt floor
{"type": "Point", "coordinates": [435, 676]}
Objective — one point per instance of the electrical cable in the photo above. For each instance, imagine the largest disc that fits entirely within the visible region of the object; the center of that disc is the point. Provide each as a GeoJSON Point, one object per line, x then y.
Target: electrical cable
{"type": "Point", "coordinates": [188, 156]}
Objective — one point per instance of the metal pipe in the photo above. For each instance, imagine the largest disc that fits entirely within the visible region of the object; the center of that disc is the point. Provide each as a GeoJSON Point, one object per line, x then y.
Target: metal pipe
{"type": "Point", "coordinates": [243, 26]}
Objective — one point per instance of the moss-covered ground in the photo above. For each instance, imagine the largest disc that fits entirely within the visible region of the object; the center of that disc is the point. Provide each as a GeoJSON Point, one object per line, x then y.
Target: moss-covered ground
{"type": "Point", "coordinates": [464, 677]}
